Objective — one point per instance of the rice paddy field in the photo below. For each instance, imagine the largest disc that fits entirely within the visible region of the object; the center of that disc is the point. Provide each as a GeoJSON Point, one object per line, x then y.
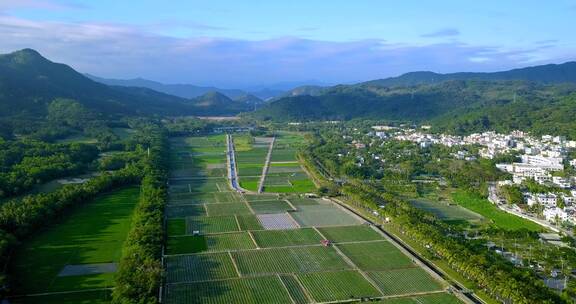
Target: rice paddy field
{"type": "Point", "coordinates": [74, 261]}
{"type": "Point", "coordinates": [276, 247]}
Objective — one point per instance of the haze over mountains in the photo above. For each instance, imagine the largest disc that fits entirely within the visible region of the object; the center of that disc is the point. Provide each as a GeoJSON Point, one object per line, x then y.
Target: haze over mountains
{"type": "Point", "coordinates": [461, 101]}
{"type": "Point", "coordinates": [264, 92]}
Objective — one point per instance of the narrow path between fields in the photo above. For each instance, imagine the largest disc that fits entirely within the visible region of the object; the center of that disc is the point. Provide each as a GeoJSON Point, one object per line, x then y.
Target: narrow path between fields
{"type": "Point", "coordinates": [266, 166]}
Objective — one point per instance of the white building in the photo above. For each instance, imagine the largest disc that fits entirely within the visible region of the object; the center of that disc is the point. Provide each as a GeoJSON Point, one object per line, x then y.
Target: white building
{"type": "Point", "coordinates": [551, 214]}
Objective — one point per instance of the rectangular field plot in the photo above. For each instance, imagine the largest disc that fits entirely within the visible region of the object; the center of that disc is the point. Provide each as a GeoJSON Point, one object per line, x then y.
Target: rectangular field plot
{"type": "Point", "coordinates": [249, 222]}
{"type": "Point", "coordinates": [186, 244]}
{"type": "Point", "coordinates": [323, 215]}
{"type": "Point", "coordinates": [342, 234]}
{"type": "Point", "coordinates": [261, 197]}
{"type": "Point", "coordinates": [376, 255]}
{"type": "Point", "coordinates": [227, 209]}
{"type": "Point", "coordinates": [277, 221]}
{"type": "Point", "coordinates": [295, 289]}
{"type": "Point", "coordinates": [183, 211]}
{"type": "Point", "coordinates": [204, 198]}
{"type": "Point", "coordinates": [260, 290]}
{"type": "Point", "coordinates": [176, 227]}
{"type": "Point", "coordinates": [211, 224]}
{"type": "Point", "coordinates": [206, 243]}
{"type": "Point", "coordinates": [264, 207]}
{"type": "Point", "coordinates": [229, 241]}
{"type": "Point", "coordinates": [289, 260]}
{"type": "Point", "coordinates": [282, 154]}
{"type": "Point", "coordinates": [281, 238]}
{"type": "Point", "coordinates": [337, 286]}
{"type": "Point", "coordinates": [404, 281]}
{"type": "Point", "coordinates": [284, 168]}
{"type": "Point", "coordinates": [302, 201]}
{"type": "Point", "coordinates": [199, 267]}
{"type": "Point", "coordinates": [249, 183]}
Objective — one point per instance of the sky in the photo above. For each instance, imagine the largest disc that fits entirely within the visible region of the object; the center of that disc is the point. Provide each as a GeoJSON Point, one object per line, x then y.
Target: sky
{"type": "Point", "coordinates": [243, 44]}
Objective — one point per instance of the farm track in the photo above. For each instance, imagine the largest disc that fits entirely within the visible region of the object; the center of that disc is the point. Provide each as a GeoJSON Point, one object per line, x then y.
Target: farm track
{"type": "Point", "coordinates": [266, 166]}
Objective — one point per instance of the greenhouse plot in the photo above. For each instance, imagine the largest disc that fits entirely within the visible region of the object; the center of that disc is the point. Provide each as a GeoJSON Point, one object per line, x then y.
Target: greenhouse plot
{"type": "Point", "coordinates": [277, 221]}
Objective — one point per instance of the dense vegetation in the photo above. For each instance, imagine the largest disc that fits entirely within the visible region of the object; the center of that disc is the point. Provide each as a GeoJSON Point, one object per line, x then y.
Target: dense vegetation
{"type": "Point", "coordinates": [24, 164]}
{"type": "Point", "coordinates": [140, 269]}
{"type": "Point", "coordinates": [418, 103]}
{"type": "Point", "coordinates": [550, 73]}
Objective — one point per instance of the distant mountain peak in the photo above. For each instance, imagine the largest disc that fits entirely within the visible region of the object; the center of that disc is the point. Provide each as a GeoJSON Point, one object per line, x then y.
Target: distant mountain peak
{"type": "Point", "coordinates": [26, 56]}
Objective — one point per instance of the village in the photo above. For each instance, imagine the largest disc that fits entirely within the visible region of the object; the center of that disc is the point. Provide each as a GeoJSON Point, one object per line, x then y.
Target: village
{"type": "Point", "coordinates": [543, 160]}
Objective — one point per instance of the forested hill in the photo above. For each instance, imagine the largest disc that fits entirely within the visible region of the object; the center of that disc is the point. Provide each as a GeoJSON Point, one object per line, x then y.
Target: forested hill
{"type": "Point", "coordinates": [29, 82]}
{"type": "Point", "coordinates": [550, 73]}
{"type": "Point", "coordinates": [180, 90]}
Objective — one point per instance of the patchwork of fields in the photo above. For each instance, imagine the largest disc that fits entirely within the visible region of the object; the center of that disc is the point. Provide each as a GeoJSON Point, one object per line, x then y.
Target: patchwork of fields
{"type": "Point", "coordinates": [229, 247]}
{"type": "Point", "coordinates": [285, 175]}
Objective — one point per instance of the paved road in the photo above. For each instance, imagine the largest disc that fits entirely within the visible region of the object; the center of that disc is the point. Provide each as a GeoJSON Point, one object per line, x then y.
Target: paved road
{"type": "Point", "coordinates": [230, 155]}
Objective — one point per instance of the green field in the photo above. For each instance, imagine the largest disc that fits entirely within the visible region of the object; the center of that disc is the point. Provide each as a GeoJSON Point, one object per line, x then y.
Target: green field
{"type": "Point", "coordinates": [342, 234]}
{"type": "Point", "coordinates": [498, 217]}
{"type": "Point", "coordinates": [260, 290]}
{"type": "Point", "coordinates": [289, 260]}
{"type": "Point", "coordinates": [375, 255]}
{"type": "Point", "coordinates": [404, 281]}
{"type": "Point", "coordinates": [199, 267]}
{"type": "Point", "coordinates": [92, 233]}
{"type": "Point", "coordinates": [275, 206]}
{"type": "Point", "coordinates": [337, 286]}
{"type": "Point", "coordinates": [240, 257]}
{"type": "Point", "coordinates": [211, 224]}
{"type": "Point", "coordinates": [282, 238]}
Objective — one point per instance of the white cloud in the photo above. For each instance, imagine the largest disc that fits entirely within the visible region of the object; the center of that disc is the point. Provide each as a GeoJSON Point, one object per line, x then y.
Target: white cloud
{"type": "Point", "coordinates": [116, 50]}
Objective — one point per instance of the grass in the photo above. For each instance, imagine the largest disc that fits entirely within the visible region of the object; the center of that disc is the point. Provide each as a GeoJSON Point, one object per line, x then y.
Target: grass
{"type": "Point", "coordinates": [264, 207]}
{"type": "Point", "coordinates": [260, 290]}
{"type": "Point", "coordinates": [337, 286]}
{"type": "Point", "coordinates": [186, 244]}
{"type": "Point", "coordinates": [342, 234]}
{"type": "Point", "coordinates": [282, 238]}
{"type": "Point", "coordinates": [289, 260]}
{"type": "Point", "coordinates": [445, 211]}
{"type": "Point", "coordinates": [436, 298]}
{"type": "Point", "coordinates": [375, 255]}
{"type": "Point", "coordinates": [199, 267]}
{"type": "Point", "coordinates": [404, 281]}
{"type": "Point", "coordinates": [91, 233]}
{"type": "Point", "coordinates": [86, 297]}
{"type": "Point", "coordinates": [498, 217]}
{"type": "Point", "coordinates": [176, 227]}
{"type": "Point", "coordinates": [211, 224]}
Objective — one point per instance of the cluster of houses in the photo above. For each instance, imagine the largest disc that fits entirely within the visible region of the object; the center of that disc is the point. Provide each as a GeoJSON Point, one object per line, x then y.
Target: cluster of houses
{"type": "Point", "coordinates": [541, 158]}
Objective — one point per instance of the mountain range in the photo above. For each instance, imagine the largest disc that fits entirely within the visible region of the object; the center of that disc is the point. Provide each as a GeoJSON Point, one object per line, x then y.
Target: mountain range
{"type": "Point", "coordinates": [29, 82]}
{"type": "Point", "coordinates": [423, 96]}
{"type": "Point", "coordinates": [459, 101]}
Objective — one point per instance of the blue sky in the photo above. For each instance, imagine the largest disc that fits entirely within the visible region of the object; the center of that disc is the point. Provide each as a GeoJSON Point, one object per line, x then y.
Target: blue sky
{"type": "Point", "coordinates": [248, 43]}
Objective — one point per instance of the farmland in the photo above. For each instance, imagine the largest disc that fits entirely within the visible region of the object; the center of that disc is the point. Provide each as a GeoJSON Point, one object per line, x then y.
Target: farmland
{"type": "Point", "coordinates": [230, 247]}
{"type": "Point", "coordinates": [77, 254]}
